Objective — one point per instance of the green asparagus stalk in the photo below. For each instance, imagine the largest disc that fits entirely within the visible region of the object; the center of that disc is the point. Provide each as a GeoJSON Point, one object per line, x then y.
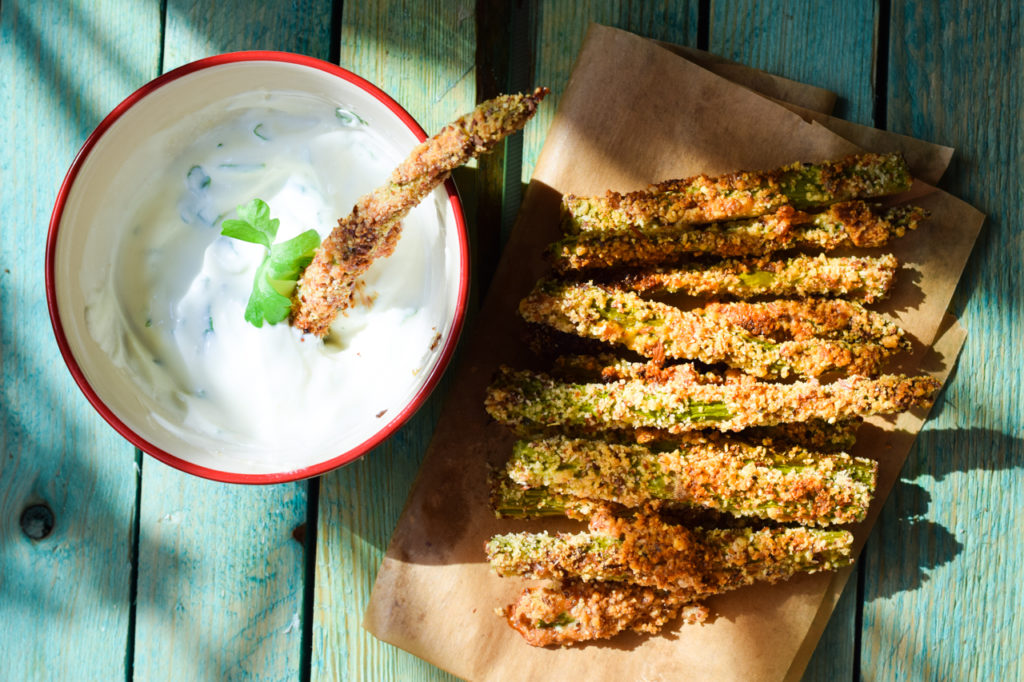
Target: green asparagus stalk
{"type": "Point", "coordinates": [863, 278]}
{"type": "Point", "coordinates": [512, 501]}
{"type": "Point", "coordinates": [676, 405]}
{"type": "Point", "coordinates": [853, 224]}
{"type": "Point", "coordinates": [658, 331]}
{"type": "Point", "coordinates": [645, 550]}
{"type": "Point", "coordinates": [745, 194]}
{"type": "Point", "coordinates": [793, 485]}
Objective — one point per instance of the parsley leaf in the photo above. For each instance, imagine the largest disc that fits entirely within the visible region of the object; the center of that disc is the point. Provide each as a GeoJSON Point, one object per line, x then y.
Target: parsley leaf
{"type": "Point", "coordinates": [281, 266]}
{"type": "Point", "coordinates": [254, 224]}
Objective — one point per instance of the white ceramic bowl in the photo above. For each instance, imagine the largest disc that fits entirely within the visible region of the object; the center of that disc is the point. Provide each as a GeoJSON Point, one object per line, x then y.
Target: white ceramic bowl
{"type": "Point", "coordinates": [89, 222]}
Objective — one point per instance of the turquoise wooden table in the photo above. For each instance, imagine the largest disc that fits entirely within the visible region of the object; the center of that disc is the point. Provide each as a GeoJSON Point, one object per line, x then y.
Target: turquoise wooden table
{"type": "Point", "coordinates": [114, 566]}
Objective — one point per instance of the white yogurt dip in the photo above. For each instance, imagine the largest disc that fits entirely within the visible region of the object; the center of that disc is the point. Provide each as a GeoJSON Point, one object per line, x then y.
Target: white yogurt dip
{"type": "Point", "coordinates": [170, 312]}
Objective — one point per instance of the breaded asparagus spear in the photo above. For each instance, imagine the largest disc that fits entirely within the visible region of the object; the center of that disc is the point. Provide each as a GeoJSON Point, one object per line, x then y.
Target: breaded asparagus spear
{"type": "Point", "coordinates": [745, 194]}
{"type": "Point", "coordinates": [509, 500]}
{"type": "Point", "coordinates": [658, 331]}
{"type": "Point", "coordinates": [814, 434]}
{"type": "Point", "coordinates": [864, 278]}
{"type": "Point", "coordinates": [809, 319]}
{"type": "Point", "coordinates": [678, 405]}
{"type": "Point", "coordinates": [372, 230]}
{"type": "Point", "coordinates": [839, 226]}
{"type": "Point", "coordinates": [579, 612]}
{"type": "Point", "coordinates": [792, 485]}
{"type": "Point", "coordinates": [645, 550]}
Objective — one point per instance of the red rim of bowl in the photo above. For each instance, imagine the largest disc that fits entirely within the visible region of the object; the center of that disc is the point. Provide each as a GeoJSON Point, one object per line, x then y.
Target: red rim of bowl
{"type": "Point", "coordinates": [62, 342]}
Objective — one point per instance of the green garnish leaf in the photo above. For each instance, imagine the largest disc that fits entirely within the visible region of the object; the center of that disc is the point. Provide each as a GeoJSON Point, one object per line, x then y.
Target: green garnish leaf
{"type": "Point", "coordinates": [254, 224]}
{"type": "Point", "coordinates": [288, 259]}
{"type": "Point", "coordinates": [281, 266]}
{"type": "Point", "coordinates": [265, 303]}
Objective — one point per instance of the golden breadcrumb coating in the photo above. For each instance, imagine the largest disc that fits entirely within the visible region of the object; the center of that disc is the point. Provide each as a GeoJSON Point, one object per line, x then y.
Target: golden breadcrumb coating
{"type": "Point", "coordinates": [372, 230]}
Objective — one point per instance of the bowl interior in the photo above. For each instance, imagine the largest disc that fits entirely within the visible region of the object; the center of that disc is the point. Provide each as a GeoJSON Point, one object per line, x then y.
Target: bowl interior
{"type": "Point", "coordinates": [86, 248]}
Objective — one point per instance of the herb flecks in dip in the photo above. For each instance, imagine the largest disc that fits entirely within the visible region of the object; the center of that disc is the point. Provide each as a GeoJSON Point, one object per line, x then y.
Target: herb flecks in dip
{"type": "Point", "coordinates": [171, 311]}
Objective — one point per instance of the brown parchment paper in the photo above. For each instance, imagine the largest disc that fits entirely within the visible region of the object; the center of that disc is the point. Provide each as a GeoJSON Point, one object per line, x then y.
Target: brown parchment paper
{"type": "Point", "coordinates": [635, 113]}
{"type": "Point", "coordinates": [798, 95]}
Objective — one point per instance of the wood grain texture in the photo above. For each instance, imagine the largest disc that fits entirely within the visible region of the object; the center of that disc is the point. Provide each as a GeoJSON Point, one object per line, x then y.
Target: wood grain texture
{"type": "Point", "coordinates": [827, 44]}
{"type": "Point", "coordinates": [220, 584]}
{"type": "Point", "coordinates": [558, 32]}
{"type": "Point", "coordinates": [220, 579]}
{"type": "Point", "coordinates": [64, 599]}
{"type": "Point", "coordinates": [943, 589]}
{"type": "Point", "coordinates": [786, 39]}
{"type": "Point", "coordinates": [422, 54]}
{"type": "Point", "coordinates": [199, 29]}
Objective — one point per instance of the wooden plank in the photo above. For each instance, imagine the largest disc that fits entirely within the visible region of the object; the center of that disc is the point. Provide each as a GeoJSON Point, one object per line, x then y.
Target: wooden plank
{"type": "Point", "coordinates": [786, 39]}
{"type": "Point", "coordinates": [198, 29]}
{"type": "Point", "coordinates": [64, 599]}
{"type": "Point", "coordinates": [559, 29]}
{"type": "Point", "coordinates": [826, 44]}
{"type": "Point", "coordinates": [943, 592]}
{"type": "Point", "coordinates": [220, 587]}
{"type": "Point", "coordinates": [220, 579]}
{"type": "Point", "coordinates": [422, 54]}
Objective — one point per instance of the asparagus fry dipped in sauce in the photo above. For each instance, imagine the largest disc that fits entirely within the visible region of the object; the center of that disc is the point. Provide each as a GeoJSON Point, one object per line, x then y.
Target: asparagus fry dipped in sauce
{"type": "Point", "coordinates": [372, 230]}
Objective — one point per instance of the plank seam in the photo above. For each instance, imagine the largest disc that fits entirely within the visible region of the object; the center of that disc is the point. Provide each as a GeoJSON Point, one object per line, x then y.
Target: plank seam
{"type": "Point", "coordinates": [163, 37]}
{"type": "Point", "coordinates": [334, 39]}
{"type": "Point", "coordinates": [309, 579]}
{"type": "Point", "coordinates": [858, 617]}
{"type": "Point", "coordinates": [133, 589]}
{"type": "Point", "coordinates": [882, 64]}
{"type": "Point", "coordinates": [703, 25]}
{"type": "Point", "coordinates": [133, 578]}
{"type": "Point", "coordinates": [491, 60]}
{"type": "Point", "coordinates": [519, 78]}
